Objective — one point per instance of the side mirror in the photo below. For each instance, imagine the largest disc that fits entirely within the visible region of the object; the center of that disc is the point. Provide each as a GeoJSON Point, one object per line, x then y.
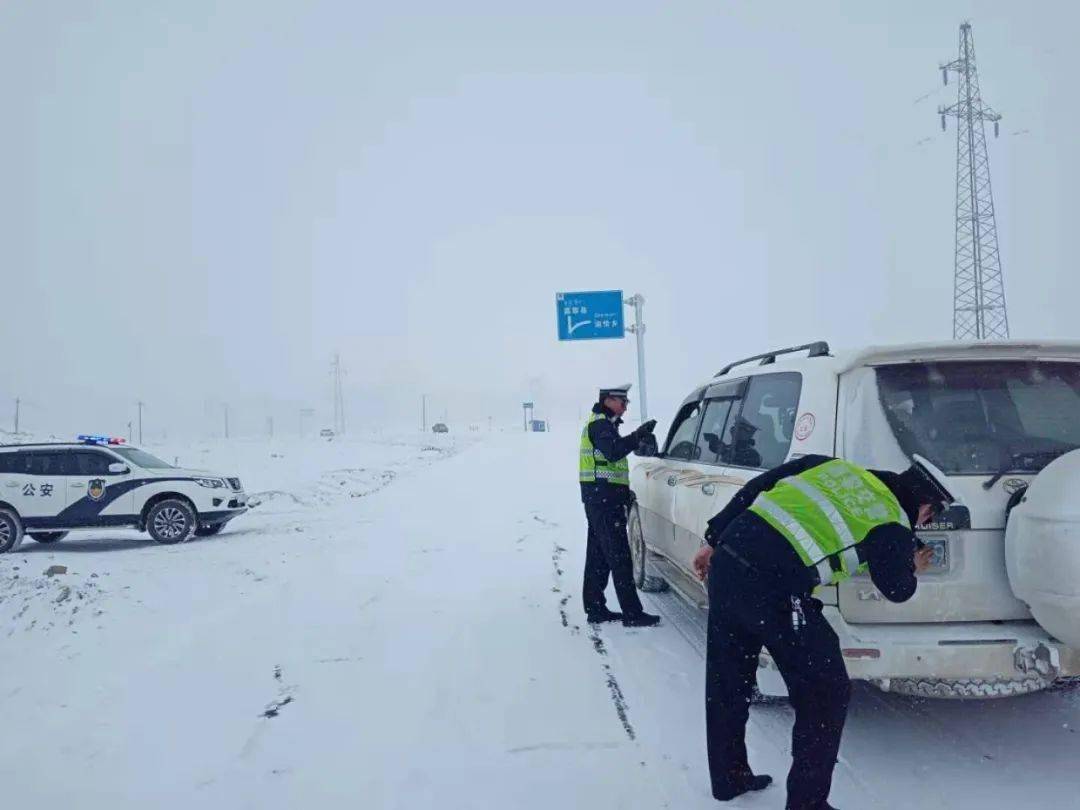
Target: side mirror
{"type": "Point", "coordinates": [118, 468]}
{"type": "Point", "coordinates": [647, 447]}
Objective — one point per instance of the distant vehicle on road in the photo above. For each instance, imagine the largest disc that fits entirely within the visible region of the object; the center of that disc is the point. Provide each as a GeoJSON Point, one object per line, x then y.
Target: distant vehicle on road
{"type": "Point", "coordinates": [538, 426]}
{"type": "Point", "coordinates": [326, 433]}
{"type": "Point", "coordinates": [439, 427]}
{"type": "Point", "coordinates": [998, 613]}
{"type": "Point", "coordinates": [46, 490]}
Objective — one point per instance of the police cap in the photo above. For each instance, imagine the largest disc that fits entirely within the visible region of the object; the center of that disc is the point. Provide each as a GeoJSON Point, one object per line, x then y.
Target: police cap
{"type": "Point", "coordinates": [621, 391]}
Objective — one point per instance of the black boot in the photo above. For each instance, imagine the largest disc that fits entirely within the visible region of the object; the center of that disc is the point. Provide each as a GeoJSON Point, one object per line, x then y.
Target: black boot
{"type": "Point", "coordinates": [603, 615]}
{"type": "Point", "coordinates": [642, 619]}
{"type": "Point", "coordinates": [759, 782]}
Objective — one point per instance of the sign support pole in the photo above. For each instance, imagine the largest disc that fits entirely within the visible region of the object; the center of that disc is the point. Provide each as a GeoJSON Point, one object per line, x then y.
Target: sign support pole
{"type": "Point", "coordinates": [637, 301]}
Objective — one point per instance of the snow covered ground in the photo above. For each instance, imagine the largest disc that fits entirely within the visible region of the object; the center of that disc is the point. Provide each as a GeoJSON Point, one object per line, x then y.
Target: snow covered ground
{"type": "Point", "coordinates": [397, 625]}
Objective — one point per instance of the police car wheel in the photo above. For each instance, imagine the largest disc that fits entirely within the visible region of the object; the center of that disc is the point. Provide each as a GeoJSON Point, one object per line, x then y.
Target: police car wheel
{"type": "Point", "coordinates": [48, 537]}
{"type": "Point", "coordinates": [171, 521]}
{"type": "Point", "coordinates": [11, 531]}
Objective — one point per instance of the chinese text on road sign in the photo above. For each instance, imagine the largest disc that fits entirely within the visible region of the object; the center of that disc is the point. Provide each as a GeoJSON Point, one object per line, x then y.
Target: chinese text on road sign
{"type": "Point", "coordinates": [590, 315]}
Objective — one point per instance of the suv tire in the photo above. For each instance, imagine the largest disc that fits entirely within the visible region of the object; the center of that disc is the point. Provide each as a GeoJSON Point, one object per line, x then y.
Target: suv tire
{"type": "Point", "coordinates": [47, 537]}
{"type": "Point", "coordinates": [11, 531]}
{"type": "Point", "coordinates": [639, 555]}
{"type": "Point", "coordinates": [171, 521]}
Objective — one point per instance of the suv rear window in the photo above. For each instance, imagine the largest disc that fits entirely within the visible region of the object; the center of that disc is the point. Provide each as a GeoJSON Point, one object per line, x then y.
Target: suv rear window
{"type": "Point", "coordinates": [980, 418]}
{"type": "Point", "coordinates": [47, 462]}
{"type": "Point", "coordinates": [8, 463]}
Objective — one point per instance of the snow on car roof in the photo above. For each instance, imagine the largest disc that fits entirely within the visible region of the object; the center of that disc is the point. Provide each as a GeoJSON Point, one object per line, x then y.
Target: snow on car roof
{"type": "Point", "coordinates": [960, 350]}
{"type": "Point", "coordinates": [844, 360]}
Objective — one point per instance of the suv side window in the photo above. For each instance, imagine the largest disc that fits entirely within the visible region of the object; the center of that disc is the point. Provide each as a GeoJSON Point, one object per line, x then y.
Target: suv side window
{"type": "Point", "coordinates": [681, 442]}
{"type": "Point", "coordinates": [710, 442]}
{"type": "Point", "coordinates": [762, 433]}
{"type": "Point", "coordinates": [89, 462]}
{"type": "Point", "coordinates": [47, 462]}
{"type": "Point", "coordinates": [724, 401]}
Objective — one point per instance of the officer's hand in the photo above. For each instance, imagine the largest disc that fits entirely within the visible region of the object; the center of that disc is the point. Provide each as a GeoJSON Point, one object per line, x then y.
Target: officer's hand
{"type": "Point", "coordinates": [647, 427]}
{"type": "Point", "coordinates": [701, 561]}
{"type": "Point", "coordinates": [924, 557]}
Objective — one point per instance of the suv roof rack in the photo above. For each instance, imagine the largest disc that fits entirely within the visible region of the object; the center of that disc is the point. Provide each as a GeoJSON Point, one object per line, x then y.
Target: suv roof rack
{"type": "Point", "coordinates": [818, 348]}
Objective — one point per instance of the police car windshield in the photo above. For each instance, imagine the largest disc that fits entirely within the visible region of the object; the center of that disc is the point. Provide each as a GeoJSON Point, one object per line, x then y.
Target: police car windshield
{"type": "Point", "coordinates": [141, 458]}
{"type": "Point", "coordinates": [981, 417]}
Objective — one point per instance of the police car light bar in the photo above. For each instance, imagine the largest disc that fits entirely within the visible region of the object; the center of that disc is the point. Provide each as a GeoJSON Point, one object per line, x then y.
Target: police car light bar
{"type": "Point", "coordinates": [90, 439]}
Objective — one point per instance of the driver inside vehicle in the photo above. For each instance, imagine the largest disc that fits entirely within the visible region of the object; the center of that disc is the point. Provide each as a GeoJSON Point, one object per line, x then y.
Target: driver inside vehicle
{"type": "Point", "coordinates": [741, 451]}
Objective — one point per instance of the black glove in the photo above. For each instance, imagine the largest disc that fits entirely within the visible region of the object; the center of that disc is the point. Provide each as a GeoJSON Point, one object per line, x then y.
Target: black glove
{"type": "Point", "coordinates": [646, 428]}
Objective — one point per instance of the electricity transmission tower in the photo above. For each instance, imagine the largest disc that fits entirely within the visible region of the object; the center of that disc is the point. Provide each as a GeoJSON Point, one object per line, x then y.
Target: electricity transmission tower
{"type": "Point", "coordinates": [339, 399]}
{"type": "Point", "coordinates": [978, 288]}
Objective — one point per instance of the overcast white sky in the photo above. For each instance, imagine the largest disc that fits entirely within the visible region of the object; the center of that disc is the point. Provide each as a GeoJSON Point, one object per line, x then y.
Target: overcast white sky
{"type": "Point", "coordinates": [202, 201]}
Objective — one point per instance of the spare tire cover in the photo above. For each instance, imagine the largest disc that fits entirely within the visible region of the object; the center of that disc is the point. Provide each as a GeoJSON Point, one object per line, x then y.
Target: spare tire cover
{"type": "Point", "coordinates": [1042, 548]}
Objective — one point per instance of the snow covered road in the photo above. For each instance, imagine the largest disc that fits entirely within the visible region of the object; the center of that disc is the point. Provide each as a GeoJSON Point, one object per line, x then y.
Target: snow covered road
{"type": "Point", "coordinates": [398, 625]}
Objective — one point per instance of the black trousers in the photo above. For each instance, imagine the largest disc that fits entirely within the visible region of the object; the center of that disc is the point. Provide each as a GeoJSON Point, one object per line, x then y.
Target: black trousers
{"type": "Point", "coordinates": [608, 553]}
{"type": "Point", "coordinates": [745, 615]}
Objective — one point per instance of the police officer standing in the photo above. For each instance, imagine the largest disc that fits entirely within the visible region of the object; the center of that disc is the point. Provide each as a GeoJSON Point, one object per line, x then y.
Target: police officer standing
{"type": "Point", "coordinates": [604, 474]}
{"type": "Point", "coordinates": [815, 520]}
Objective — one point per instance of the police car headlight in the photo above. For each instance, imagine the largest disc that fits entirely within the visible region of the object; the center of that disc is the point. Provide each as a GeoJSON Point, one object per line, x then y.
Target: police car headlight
{"type": "Point", "coordinates": [210, 483]}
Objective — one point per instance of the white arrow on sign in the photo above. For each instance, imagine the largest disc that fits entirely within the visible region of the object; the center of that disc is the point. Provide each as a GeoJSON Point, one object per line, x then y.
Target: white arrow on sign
{"type": "Point", "coordinates": [572, 327]}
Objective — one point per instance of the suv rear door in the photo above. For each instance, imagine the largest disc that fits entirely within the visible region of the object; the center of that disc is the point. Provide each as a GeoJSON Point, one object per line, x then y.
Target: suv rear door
{"type": "Point", "coordinates": [41, 475]}
{"type": "Point", "coordinates": [15, 478]}
{"type": "Point", "coordinates": [971, 419]}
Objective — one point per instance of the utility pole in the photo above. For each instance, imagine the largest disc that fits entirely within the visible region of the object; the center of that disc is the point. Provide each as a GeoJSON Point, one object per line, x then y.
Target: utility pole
{"type": "Point", "coordinates": [130, 437]}
{"type": "Point", "coordinates": [637, 301]}
{"type": "Point", "coordinates": [304, 412]}
{"type": "Point", "coordinates": [140, 403]}
{"type": "Point", "coordinates": [17, 414]}
{"type": "Point", "coordinates": [978, 288]}
{"type": "Point", "coordinates": [270, 426]}
{"type": "Point", "coordinates": [226, 407]}
{"type": "Point", "coordinates": [423, 413]}
{"type": "Point", "coordinates": [339, 398]}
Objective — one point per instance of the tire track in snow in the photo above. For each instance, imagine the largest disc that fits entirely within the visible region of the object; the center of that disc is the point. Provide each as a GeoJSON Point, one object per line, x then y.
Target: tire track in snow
{"type": "Point", "coordinates": [618, 699]}
{"type": "Point", "coordinates": [556, 565]}
{"type": "Point", "coordinates": [617, 696]}
{"type": "Point", "coordinates": [284, 698]}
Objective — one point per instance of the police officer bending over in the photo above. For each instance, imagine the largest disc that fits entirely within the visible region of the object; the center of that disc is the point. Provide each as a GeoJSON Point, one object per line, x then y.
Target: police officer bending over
{"type": "Point", "coordinates": [604, 474]}
{"type": "Point", "coordinates": [813, 520]}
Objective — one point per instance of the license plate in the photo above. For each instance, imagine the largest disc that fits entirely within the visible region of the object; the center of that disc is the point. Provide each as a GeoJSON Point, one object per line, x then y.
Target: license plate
{"type": "Point", "coordinates": [940, 547]}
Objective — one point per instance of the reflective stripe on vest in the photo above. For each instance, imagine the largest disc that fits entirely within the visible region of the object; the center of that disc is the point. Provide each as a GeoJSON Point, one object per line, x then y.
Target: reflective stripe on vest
{"type": "Point", "coordinates": [825, 512]}
{"type": "Point", "coordinates": [593, 465]}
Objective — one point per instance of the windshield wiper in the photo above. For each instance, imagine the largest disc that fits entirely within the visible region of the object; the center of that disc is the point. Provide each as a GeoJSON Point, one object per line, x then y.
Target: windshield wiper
{"type": "Point", "coordinates": [1031, 458]}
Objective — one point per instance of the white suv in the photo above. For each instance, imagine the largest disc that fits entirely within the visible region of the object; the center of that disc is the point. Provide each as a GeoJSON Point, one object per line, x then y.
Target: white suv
{"type": "Point", "coordinates": [999, 613]}
{"type": "Point", "coordinates": [48, 489]}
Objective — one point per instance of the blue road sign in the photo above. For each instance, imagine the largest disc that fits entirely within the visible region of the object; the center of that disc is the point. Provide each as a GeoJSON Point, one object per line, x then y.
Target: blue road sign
{"type": "Point", "coordinates": [590, 315]}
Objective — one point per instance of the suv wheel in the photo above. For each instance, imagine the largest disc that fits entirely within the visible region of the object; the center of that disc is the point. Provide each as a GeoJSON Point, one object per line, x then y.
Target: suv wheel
{"type": "Point", "coordinates": [48, 537]}
{"type": "Point", "coordinates": [639, 554]}
{"type": "Point", "coordinates": [11, 531]}
{"type": "Point", "coordinates": [171, 521]}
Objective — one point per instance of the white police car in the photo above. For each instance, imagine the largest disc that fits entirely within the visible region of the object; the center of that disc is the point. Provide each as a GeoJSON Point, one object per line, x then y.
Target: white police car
{"type": "Point", "coordinates": [48, 489]}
